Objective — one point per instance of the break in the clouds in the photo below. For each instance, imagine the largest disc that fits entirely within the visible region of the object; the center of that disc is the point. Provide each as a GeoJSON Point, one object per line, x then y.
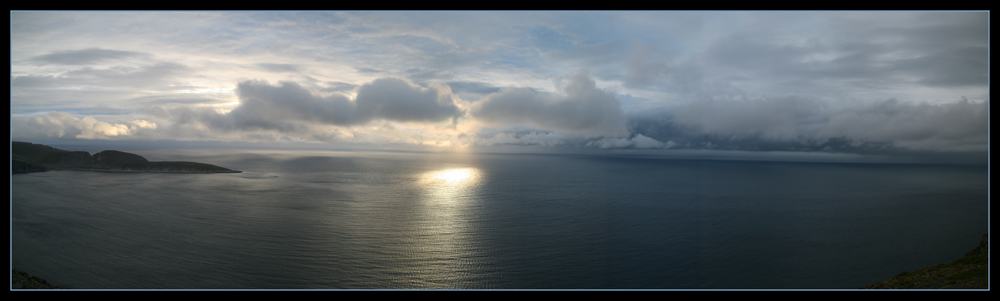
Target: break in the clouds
{"type": "Point", "coordinates": [856, 82]}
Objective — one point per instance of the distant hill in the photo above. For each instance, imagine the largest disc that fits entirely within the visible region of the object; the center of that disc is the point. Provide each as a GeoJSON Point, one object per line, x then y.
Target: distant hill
{"type": "Point", "coordinates": [29, 157]}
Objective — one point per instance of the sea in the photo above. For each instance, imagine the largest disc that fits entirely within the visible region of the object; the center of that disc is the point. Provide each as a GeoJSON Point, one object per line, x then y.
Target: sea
{"type": "Point", "coordinates": [309, 219]}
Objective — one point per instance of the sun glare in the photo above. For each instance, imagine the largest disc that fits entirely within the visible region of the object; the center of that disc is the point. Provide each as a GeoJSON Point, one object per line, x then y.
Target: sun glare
{"type": "Point", "coordinates": [454, 176]}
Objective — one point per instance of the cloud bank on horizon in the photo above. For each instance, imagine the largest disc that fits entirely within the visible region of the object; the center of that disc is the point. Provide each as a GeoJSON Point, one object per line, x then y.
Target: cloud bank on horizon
{"type": "Point", "coordinates": [849, 82]}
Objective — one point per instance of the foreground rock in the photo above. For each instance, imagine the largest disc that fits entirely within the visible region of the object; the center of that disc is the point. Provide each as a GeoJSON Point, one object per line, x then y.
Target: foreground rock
{"type": "Point", "coordinates": [969, 272]}
{"type": "Point", "coordinates": [29, 157]}
{"type": "Point", "coordinates": [21, 280]}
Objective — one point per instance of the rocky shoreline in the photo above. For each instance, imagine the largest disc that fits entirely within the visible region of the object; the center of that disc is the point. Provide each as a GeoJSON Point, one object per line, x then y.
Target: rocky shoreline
{"type": "Point", "coordinates": [21, 280]}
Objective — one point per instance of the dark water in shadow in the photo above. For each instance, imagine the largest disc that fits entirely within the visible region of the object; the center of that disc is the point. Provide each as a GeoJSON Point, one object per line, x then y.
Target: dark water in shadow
{"type": "Point", "coordinates": [383, 220]}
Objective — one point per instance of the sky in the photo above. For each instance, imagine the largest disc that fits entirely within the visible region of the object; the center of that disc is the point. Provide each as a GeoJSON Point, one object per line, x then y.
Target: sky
{"type": "Point", "coordinates": [869, 83]}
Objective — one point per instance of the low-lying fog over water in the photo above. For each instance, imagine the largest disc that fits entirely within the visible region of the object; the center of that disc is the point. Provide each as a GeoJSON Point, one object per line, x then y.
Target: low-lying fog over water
{"type": "Point", "coordinates": [373, 220]}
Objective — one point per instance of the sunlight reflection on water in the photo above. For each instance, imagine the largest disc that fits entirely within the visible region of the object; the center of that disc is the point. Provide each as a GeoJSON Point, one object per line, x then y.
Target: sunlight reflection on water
{"type": "Point", "coordinates": [418, 221]}
{"type": "Point", "coordinates": [456, 177]}
{"type": "Point", "coordinates": [444, 246]}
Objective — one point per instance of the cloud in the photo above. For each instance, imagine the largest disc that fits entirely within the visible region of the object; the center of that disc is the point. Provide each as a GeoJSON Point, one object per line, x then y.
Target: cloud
{"type": "Point", "coordinates": [473, 87]}
{"type": "Point", "coordinates": [583, 110]}
{"type": "Point", "coordinates": [968, 66]}
{"type": "Point", "coordinates": [810, 124]}
{"type": "Point", "coordinates": [546, 38]}
{"type": "Point", "coordinates": [87, 56]}
{"type": "Point", "coordinates": [612, 51]}
{"type": "Point", "coordinates": [367, 70]}
{"type": "Point", "coordinates": [113, 77]}
{"type": "Point", "coordinates": [523, 138]}
{"type": "Point", "coordinates": [780, 118]}
{"type": "Point", "coordinates": [420, 75]}
{"type": "Point", "coordinates": [638, 141]}
{"type": "Point", "coordinates": [734, 80]}
{"type": "Point", "coordinates": [292, 109]}
{"type": "Point", "coordinates": [959, 125]}
{"type": "Point", "coordinates": [181, 98]}
{"type": "Point", "coordinates": [334, 86]}
{"type": "Point", "coordinates": [398, 100]}
{"type": "Point", "coordinates": [278, 67]}
{"type": "Point", "coordinates": [64, 125]}
{"type": "Point", "coordinates": [858, 53]}
{"type": "Point", "coordinates": [273, 107]}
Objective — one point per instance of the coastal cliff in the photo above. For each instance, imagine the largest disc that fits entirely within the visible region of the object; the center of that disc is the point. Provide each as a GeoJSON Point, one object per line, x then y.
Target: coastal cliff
{"type": "Point", "coordinates": [29, 157]}
{"type": "Point", "coordinates": [969, 272]}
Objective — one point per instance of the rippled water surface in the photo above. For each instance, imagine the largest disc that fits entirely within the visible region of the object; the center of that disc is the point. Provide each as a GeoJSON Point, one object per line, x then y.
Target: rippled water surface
{"type": "Point", "coordinates": [410, 220]}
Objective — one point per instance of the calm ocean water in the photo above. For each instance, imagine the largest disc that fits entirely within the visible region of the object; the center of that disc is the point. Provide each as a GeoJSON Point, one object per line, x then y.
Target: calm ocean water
{"type": "Point", "coordinates": [346, 220]}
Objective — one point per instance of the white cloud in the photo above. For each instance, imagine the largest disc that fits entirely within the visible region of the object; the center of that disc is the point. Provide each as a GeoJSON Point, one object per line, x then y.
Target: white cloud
{"type": "Point", "coordinates": [64, 125]}
{"type": "Point", "coordinates": [584, 109]}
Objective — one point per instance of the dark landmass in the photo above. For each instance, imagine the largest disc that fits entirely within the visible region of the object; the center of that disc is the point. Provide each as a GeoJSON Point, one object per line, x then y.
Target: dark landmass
{"type": "Point", "coordinates": [21, 280]}
{"type": "Point", "coordinates": [23, 167]}
{"type": "Point", "coordinates": [969, 272]}
{"type": "Point", "coordinates": [28, 157]}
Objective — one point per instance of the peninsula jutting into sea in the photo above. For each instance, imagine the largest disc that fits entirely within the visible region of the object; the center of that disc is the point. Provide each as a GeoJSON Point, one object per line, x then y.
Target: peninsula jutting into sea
{"type": "Point", "coordinates": [29, 157]}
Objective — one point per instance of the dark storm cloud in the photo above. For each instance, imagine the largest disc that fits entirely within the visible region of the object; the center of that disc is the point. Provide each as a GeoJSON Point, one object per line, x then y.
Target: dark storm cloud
{"type": "Point", "coordinates": [87, 56]}
{"type": "Point", "coordinates": [278, 67]}
{"type": "Point", "coordinates": [805, 124]}
{"type": "Point", "coordinates": [583, 110]}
